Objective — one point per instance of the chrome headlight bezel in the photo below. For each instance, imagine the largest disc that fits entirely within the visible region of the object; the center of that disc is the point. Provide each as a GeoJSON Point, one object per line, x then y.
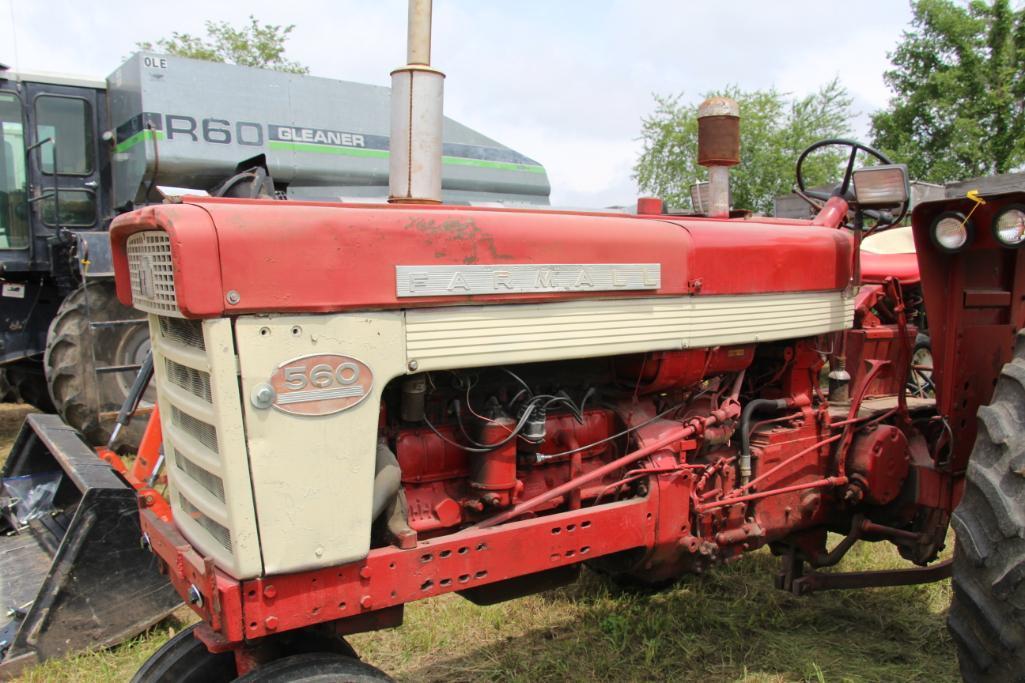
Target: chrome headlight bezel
{"type": "Point", "coordinates": [947, 220]}
{"type": "Point", "coordinates": [1003, 213]}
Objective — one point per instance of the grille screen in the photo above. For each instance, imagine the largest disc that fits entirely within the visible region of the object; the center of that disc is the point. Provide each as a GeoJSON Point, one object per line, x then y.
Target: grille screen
{"type": "Point", "coordinates": [151, 272]}
{"type": "Point", "coordinates": [202, 432]}
{"type": "Point", "coordinates": [185, 332]}
{"type": "Point", "coordinates": [218, 531]}
{"type": "Point", "coordinates": [196, 382]}
{"type": "Point", "coordinates": [211, 482]}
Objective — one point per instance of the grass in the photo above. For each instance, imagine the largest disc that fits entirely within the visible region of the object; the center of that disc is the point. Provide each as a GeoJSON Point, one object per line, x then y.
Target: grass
{"type": "Point", "coordinates": [728, 625]}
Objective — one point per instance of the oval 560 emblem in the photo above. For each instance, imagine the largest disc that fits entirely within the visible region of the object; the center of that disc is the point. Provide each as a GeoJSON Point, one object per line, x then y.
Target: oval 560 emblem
{"type": "Point", "coordinates": [320, 384]}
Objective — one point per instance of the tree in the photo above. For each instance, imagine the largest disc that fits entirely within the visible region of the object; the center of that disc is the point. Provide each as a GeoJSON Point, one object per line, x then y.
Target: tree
{"type": "Point", "coordinates": [774, 130]}
{"type": "Point", "coordinates": [259, 45]}
{"type": "Point", "coordinates": [958, 80]}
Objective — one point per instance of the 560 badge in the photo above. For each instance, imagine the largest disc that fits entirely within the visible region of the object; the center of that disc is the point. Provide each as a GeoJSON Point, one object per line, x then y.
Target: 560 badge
{"type": "Point", "coordinates": [318, 384]}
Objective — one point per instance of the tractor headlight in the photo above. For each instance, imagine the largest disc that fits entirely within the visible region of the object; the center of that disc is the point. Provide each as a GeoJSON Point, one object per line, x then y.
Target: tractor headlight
{"type": "Point", "coordinates": [881, 186]}
{"type": "Point", "coordinates": [1009, 226]}
{"type": "Point", "coordinates": [951, 231]}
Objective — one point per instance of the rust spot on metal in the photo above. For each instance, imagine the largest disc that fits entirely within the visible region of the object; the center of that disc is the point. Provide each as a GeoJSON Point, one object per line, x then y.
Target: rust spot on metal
{"type": "Point", "coordinates": [458, 232]}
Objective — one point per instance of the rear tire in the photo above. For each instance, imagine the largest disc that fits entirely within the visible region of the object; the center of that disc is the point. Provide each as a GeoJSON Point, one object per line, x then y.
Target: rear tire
{"type": "Point", "coordinates": [319, 667]}
{"type": "Point", "coordinates": [185, 659]}
{"type": "Point", "coordinates": [73, 349]}
{"type": "Point", "coordinates": [987, 615]}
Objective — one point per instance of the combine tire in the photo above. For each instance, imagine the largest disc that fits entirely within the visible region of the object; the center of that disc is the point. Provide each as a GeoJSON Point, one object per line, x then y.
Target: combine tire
{"type": "Point", "coordinates": [320, 667]}
{"type": "Point", "coordinates": [24, 381]}
{"type": "Point", "coordinates": [987, 615]}
{"type": "Point", "coordinates": [184, 659]}
{"type": "Point", "coordinates": [88, 401]}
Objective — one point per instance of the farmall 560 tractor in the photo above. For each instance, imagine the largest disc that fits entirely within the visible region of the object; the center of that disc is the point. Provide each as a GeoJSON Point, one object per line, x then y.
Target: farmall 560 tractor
{"type": "Point", "coordinates": [366, 405]}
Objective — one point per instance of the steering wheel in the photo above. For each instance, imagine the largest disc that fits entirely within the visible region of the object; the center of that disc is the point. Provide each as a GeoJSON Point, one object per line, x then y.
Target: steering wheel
{"type": "Point", "coordinates": [883, 218]}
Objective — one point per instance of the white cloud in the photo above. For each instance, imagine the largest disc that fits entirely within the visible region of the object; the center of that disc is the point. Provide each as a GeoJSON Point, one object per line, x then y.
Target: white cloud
{"type": "Point", "coordinates": [565, 83]}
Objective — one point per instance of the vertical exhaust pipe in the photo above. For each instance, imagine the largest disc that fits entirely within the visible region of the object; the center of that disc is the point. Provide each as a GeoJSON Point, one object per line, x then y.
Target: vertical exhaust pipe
{"type": "Point", "coordinates": [718, 149]}
{"type": "Point", "coordinates": [417, 91]}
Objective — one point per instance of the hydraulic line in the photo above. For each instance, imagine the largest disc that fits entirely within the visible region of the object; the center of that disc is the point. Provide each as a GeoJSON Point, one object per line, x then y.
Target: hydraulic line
{"type": "Point", "coordinates": [744, 462]}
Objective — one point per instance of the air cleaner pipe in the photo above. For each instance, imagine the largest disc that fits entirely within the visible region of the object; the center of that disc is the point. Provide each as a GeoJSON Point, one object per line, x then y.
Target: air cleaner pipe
{"type": "Point", "coordinates": [718, 149]}
{"type": "Point", "coordinates": [417, 93]}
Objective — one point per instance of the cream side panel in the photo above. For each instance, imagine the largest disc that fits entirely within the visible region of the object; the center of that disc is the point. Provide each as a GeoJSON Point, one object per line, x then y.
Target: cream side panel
{"type": "Point", "coordinates": [313, 476]}
{"type": "Point", "coordinates": [235, 512]}
{"type": "Point", "coordinates": [462, 336]}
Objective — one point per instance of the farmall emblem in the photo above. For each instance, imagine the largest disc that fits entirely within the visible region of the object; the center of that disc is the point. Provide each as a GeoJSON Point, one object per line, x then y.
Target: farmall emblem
{"type": "Point", "coordinates": [145, 273]}
{"type": "Point", "coordinates": [319, 384]}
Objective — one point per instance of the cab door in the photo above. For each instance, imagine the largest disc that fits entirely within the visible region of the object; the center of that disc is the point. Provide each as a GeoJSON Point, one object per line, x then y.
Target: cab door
{"type": "Point", "coordinates": [15, 219]}
{"type": "Point", "coordinates": [64, 159]}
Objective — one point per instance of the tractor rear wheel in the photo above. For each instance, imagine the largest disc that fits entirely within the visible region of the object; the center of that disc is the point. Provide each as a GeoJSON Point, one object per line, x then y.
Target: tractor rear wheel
{"type": "Point", "coordinates": [987, 615]}
{"type": "Point", "coordinates": [88, 401]}
{"type": "Point", "coordinates": [318, 667]}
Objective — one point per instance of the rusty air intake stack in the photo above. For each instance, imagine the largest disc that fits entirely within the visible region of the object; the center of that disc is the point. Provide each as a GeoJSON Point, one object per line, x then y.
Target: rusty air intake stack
{"type": "Point", "coordinates": [417, 90]}
{"type": "Point", "coordinates": [719, 148]}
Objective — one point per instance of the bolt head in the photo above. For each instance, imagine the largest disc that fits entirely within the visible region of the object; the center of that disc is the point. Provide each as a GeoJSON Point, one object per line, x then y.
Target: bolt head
{"type": "Point", "coordinates": [269, 592]}
{"type": "Point", "coordinates": [232, 297]}
{"type": "Point", "coordinates": [366, 602]}
{"type": "Point", "coordinates": [263, 396]}
{"type": "Point", "coordinates": [195, 597]}
{"type": "Point", "coordinates": [413, 365]}
{"type": "Point", "coordinates": [271, 623]}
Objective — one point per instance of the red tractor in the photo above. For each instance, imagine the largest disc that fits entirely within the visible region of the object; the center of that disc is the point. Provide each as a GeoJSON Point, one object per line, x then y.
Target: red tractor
{"type": "Point", "coordinates": [366, 405]}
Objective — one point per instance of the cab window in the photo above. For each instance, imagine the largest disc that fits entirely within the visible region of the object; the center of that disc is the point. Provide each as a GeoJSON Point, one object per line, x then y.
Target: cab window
{"type": "Point", "coordinates": [68, 121]}
{"type": "Point", "coordinates": [14, 209]}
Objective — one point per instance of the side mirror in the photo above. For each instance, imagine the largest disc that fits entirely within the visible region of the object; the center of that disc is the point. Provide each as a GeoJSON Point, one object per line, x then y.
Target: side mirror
{"type": "Point", "coordinates": [881, 187]}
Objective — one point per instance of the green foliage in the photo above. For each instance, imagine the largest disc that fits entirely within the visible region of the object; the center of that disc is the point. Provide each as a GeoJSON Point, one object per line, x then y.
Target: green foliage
{"type": "Point", "coordinates": [774, 130]}
{"type": "Point", "coordinates": [259, 45]}
{"type": "Point", "coordinates": [959, 91]}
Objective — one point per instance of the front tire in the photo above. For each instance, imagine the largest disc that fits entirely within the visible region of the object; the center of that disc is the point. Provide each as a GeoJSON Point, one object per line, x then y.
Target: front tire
{"type": "Point", "coordinates": [318, 667]}
{"type": "Point", "coordinates": [185, 659]}
{"type": "Point", "coordinates": [987, 615]}
{"type": "Point", "coordinates": [86, 400]}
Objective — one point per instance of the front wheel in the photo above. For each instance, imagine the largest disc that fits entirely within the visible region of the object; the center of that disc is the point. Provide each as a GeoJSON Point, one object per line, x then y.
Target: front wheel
{"type": "Point", "coordinates": [185, 659]}
{"type": "Point", "coordinates": [987, 615]}
{"type": "Point", "coordinates": [318, 667]}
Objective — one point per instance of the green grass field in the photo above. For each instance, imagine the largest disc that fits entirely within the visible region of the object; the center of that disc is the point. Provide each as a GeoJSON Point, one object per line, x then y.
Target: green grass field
{"type": "Point", "coordinates": [729, 625]}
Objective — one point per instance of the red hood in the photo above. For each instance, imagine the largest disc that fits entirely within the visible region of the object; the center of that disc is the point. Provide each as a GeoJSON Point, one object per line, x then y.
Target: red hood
{"type": "Point", "coordinates": [303, 256]}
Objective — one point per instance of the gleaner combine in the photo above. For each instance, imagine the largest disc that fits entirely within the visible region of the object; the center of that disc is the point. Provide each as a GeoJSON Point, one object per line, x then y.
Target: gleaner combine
{"type": "Point", "coordinates": [366, 405]}
{"type": "Point", "coordinates": [76, 152]}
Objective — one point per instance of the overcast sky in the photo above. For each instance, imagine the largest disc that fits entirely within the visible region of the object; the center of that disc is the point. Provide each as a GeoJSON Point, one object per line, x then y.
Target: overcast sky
{"type": "Point", "coordinates": [564, 82]}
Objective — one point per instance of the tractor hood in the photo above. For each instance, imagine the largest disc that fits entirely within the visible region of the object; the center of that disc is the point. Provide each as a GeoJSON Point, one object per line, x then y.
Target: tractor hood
{"type": "Point", "coordinates": [230, 256]}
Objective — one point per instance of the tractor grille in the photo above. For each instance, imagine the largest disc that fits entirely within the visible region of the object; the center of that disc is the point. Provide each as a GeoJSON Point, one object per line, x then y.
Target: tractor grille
{"type": "Point", "coordinates": [201, 431]}
{"type": "Point", "coordinates": [211, 482]}
{"type": "Point", "coordinates": [152, 272]}
{"type": "Point", "coordinates": [182, 331]}
{"type": "Point", "coordinates": [211, 497]}
{"type": "Point", "coordinates": [218, 531]}
{"type": "Point", "coordinates": [197, 382]}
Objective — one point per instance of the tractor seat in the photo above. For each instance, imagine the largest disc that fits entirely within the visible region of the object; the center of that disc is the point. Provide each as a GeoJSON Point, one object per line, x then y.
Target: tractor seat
{"type": "Point", "coordinates": [890, 253]}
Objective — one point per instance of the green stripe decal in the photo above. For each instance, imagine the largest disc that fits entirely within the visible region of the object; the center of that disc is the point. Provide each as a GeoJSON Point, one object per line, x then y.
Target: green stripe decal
{"type": "Point", "coordinates": [132, 141]}
{"type": "Point", "coordinates": [327, 149]}
{"type": "Point", "coordinates": [383, 154]}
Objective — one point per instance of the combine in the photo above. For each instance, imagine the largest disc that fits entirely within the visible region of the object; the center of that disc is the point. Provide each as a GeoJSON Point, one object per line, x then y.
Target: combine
{"type": "Point", "coordinates": [366, 405]}
{"type": "Point", "coordinates": [76, 152]}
